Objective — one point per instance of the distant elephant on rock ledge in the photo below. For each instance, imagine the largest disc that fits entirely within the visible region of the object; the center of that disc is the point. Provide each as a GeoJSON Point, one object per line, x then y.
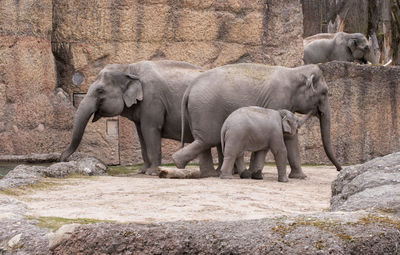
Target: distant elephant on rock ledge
{"type": "Point", "coordinates": [322, 48]}
{"type": "Point", "coordinates": [149, 93]}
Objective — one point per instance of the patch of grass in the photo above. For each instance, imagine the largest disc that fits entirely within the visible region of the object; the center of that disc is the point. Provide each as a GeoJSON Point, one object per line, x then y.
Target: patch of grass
{"type": "Point", "coordinates": [22, 190]}
{"type": "Point", "coordinates": [80, 176]}
{"type": "Point", "coordinates": [54, 223]}
{"type": "Point", "coordinates": [370, 219]}
{"type": "Point", "coordinates": [122, 170]}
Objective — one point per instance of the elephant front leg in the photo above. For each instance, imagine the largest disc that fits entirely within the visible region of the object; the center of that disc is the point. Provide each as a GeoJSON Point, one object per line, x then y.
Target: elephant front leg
{"type": "Point", "coordinates": [152, 139]}
{"type": "Point", "coordinates": [293, 154]}
{"type": "Point", "coordinates": [146, 162]}
{"type": "Point", "coordinates": [257, 161]}
{"type": "Point", "coordinates": [280, 159]}
{"type": "Point", "coordinates": [239, 166]}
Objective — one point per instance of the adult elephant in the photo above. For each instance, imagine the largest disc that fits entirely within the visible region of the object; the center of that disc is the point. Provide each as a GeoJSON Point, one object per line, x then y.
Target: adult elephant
{"type": "Point", "coordinates": [218, 92]}
{"type": "Point", "coordinates": [149, 93]}
{"type": "Point", "coordinates": [340, 46]}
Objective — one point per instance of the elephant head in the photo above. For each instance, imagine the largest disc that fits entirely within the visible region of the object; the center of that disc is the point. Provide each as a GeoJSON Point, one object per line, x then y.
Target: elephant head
{"type": "Point", "coordinates": [107, 96]}
{"type": "Point", "coordinates": [290, 122]}
{"type": "Point", "coordinates": [312, 99]}
{"type": "Point", "coordinates": [360, 48]}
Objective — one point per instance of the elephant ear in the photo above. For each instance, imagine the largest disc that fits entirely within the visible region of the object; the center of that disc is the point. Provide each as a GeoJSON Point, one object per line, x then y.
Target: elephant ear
{"type": "Point", "coordinates": [310, 82]}
{"type": "Point", "coordinates": [352, 44]}
{"type": "Point", "coordinates": [286, 127]}
{"type": "Point", "coordinates": [133, 91]}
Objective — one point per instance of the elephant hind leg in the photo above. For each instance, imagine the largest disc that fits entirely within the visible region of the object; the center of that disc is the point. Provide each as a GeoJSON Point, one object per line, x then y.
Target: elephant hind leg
{"type": "Point", "coordinates": [183, 156]}
{"type": "Point", "coordinates": [206, 164]}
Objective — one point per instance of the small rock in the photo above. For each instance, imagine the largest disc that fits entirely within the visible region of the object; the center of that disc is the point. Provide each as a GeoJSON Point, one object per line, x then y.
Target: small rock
{"type": "Point", "coordinates": [15, 241]}
{"type": "Point", "coordinates": [40, 128]}
{"type": "Point", "coordinates": [62, 233]}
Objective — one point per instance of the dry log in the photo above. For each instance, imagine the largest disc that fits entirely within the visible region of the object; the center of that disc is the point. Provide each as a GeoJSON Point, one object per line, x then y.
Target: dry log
{"type": "Point", "coordinates": [175, 173]}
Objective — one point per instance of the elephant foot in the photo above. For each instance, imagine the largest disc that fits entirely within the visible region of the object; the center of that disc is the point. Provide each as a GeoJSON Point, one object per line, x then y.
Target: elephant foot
{"type": "Point", "coordinates": [258, 175]}
{"type": "Point", "coordinates": [226, 176]}
{"type": "Point", "coordinates": [208, 173]}
{"type": "Point", "coordinates": [178, 163]}
{"type": "Point", "coordinates": [283, 179]}
{"type": "Point", "coordinates": [246, 174]}
{"type": "Point", "coordinates": [152, 171]}
{"type": "Point", "coordinates": [143, 170]}
{"type": "Point", "coordinates": [297, 175]}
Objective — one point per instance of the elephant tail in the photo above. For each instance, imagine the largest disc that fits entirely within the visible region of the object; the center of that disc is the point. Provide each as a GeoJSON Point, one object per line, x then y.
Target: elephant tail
{"type": "Point", "coordinates": [183, 114]}
{"type": "Point", "coordinates": [223, 131]}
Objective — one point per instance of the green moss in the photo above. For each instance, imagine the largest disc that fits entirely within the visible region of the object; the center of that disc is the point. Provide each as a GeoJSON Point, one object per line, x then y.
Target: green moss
{"type": "Point", "coordinates": [319, 245]}
{"type": "Point", "coordinates": [122, 170]}
{"type": "Point", "coordinates": [55, 223]}
{"type": "Point", "coordinates": [371, 219]}
{"type": "Point", "coordinates": [22, 190]}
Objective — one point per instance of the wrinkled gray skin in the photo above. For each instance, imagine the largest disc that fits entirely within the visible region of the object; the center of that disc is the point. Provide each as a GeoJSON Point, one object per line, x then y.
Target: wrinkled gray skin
{"type": "Point", "coordinates": [342, 47]}
{"type": "Point", "coordinates": [149, 93]}
{"type": "Point", "coordinates": [218, 92]}
{"type": "Point", "coordinates": [258, 130]}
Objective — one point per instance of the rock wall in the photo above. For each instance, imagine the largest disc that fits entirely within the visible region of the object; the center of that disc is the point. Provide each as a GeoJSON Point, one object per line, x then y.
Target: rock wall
{"type": "Point", "coordinates": [365, 114]}
{"type": "Point", "coordinates": [34, 118]}
{"type": "Point", "coordinates": [48, 47]}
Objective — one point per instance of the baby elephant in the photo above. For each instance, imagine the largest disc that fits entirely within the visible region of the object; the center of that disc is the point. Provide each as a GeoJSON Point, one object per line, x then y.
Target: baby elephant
{"type": "Point", "coordinates": [257, 129]}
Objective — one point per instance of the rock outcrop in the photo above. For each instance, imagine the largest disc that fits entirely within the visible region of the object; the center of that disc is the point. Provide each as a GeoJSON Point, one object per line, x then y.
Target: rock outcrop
{"type": "Point", "coordinates": [374, 185]}
{"type": "Point", "coordinates": [23, 175]}
{"type": "Point", "coordinates": [365, 110]}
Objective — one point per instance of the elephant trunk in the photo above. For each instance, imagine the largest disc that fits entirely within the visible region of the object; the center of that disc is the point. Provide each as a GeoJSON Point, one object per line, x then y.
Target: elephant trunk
{"type": "Point", "coordinates": [325, 124]}
{"type": "Point", "coordinates": [85, 110]}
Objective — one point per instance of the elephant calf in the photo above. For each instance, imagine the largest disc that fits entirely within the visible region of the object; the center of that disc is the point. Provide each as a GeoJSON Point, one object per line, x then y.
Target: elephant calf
{"type": "Point", "coordinates": [258, 130]}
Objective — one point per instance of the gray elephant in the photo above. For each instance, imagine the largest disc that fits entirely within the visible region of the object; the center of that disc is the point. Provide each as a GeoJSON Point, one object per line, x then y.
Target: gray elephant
{"type": "Point", "coordinates": [218, 92]}
{"type": "Point", "coordinates": [341, 46]}
{"type": "Point", "coordinates": [149, 93]}
{"type": "Point", "coordinates": [258, 130]}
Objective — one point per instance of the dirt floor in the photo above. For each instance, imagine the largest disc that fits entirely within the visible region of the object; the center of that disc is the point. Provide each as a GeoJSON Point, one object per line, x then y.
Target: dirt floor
{"type": "Point", "coordinates": [144, 199]}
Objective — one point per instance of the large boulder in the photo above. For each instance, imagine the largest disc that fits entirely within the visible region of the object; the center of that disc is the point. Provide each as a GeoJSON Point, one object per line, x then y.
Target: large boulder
{"type": "Point", "coordinates": [23, 175]}
{"type": "Point", "coordinates": [374, 185]}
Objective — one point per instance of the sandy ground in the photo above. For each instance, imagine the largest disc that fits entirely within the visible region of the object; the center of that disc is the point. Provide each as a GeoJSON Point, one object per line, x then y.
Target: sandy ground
{"type": "Point", "coordinates": [144, 199]}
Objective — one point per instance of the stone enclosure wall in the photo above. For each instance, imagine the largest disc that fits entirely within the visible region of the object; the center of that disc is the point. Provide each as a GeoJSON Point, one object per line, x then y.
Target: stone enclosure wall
{"type": "Point", "coordinates": [51, 51]}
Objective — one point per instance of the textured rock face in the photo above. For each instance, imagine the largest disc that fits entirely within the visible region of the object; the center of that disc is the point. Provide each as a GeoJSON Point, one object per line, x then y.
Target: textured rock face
{"type": "Point", "coordinates": [374, 185]}
{"type": "Point", "coordinates": [33, 119]}
{"type": "Point", "coordinates": [81, 37]}
{"type": "Point", "coordinates": [318, 234]}
{"type": "Point", "coordinates": [365, 111]}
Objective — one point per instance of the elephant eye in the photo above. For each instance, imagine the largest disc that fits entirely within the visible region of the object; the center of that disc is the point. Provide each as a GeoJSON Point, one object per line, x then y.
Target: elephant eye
{"type": "Point", "coordinates": [100, 90]}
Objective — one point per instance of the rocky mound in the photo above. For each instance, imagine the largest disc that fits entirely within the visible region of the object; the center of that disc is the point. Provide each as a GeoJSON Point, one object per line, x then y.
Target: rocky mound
{"type": "Point", "coordinates": [327, 233]}
{"type": "Point", "coordinates": [23, 175]}
{"type": "Point", "coordinates": [374, 185]}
